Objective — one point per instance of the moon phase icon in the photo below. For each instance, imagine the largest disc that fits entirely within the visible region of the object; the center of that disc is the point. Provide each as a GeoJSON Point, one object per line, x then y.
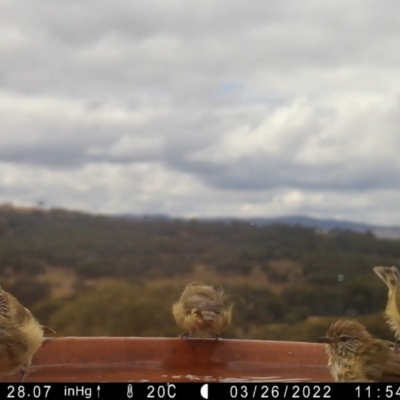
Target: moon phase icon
{"type": "Point", "coordinates": [204, 391]}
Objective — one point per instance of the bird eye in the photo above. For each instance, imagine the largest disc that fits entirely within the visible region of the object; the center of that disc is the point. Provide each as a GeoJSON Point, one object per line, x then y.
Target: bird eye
{"type": "Point", "coordinates": [344, 338]}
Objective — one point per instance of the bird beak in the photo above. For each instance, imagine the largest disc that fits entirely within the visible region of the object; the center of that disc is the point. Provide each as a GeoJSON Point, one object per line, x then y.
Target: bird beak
{"type": "Point", "coordinates": [324, 339]}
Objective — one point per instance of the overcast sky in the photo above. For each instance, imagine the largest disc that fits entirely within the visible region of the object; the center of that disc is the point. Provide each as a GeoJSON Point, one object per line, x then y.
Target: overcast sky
{"type": "Point", "coordinates": [202, 108]}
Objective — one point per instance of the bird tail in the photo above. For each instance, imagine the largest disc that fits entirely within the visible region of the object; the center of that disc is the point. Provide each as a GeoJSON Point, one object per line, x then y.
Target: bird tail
{"type": "Point", "coordinates": [48, 331]}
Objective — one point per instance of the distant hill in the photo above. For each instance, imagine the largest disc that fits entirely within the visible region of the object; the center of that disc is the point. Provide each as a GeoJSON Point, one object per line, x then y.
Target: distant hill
{"type": "Point", "coordinates": [98, 275]}
{"type": "Point", "coordinates": [330, 224]}
{"type": "Point", "coordinates": [387, 232]}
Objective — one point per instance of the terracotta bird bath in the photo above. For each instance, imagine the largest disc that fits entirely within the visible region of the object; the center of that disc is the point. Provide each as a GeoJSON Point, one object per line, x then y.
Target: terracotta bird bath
{"type": "Point", "coordinates": [133, 359]}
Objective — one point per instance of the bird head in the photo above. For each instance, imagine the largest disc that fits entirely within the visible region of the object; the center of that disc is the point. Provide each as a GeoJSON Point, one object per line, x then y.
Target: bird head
{"type": "Point", "coordinates": [344, 338]}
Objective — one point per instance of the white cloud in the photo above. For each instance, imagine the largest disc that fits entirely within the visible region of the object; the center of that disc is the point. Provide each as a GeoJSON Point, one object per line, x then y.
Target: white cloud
{"type": "Point", "coordinates": [211, 108]}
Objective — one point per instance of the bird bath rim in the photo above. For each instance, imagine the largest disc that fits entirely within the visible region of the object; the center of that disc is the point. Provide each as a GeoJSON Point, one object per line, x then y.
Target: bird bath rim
{"type": "Point", "coordinates": [121, 359]}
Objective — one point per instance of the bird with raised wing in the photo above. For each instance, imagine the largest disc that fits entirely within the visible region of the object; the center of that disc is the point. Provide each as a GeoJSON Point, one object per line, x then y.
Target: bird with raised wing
{"type": "Point", "coordinates": [391, 277]}
{"type": "Point", "coordinates": [200, 312]}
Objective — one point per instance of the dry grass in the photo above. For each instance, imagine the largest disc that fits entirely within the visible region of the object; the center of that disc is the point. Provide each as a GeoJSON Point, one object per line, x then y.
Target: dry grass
{"type": "Point", "coordinates": [257, 278]}
{"type": "Point", "coordinates": [62, 281]}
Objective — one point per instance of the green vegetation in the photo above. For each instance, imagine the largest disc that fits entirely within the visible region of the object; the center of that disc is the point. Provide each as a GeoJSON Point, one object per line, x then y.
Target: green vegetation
{"type": "Point", "coordinates": [95, 275]}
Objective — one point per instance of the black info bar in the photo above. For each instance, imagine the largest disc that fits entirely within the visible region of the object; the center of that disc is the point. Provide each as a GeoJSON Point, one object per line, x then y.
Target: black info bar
{"type": "Point", "coordinates": [185, 391]}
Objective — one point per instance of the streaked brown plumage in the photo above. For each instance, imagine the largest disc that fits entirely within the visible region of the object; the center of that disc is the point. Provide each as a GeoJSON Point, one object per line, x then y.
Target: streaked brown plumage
{"type": "Point", "coordinates": [200, 311]}
{"type": "Point", "coordinates": [391, 277]}
{"type": "Point", "coordinates": [21, 335]}
{"type": "Point", "coordinates": [355, 356]}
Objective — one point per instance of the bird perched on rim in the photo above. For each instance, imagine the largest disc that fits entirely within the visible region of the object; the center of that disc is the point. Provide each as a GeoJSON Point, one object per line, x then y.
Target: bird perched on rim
{"type": "Point", "coordinates": [200, 311]}
{"type": "Point", "coordinates": [355, 356]}
{"type": "Point", "coordinates": [391, 277]}
{"type": "Point", "coordinates": [21, 335]}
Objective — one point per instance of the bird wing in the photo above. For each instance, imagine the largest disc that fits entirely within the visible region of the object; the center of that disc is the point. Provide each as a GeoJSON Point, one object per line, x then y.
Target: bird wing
{"type": "Point", "coordinates": [382, 364]}
{"type": "Point", "coordinates": [389, 275]}
{"type": "Point", "coordinates": [396, 301]}
{"type": "Point", "coordinates": [4, 304]}
{"type": "Point", "coordinates": [202, 302]}
{"type": "Point", "coordinates": [12, 310]}
{"type": "Point", "coordinates": [21, 313]}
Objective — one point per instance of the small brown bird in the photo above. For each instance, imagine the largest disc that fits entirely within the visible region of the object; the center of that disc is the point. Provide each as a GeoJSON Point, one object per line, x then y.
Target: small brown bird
{"type": "Point", "coordinates": [391, 277]}
{"type": "Point", "coordinates": [21, 335]}
{"type": "Point", "coordinates": [200, 311]}
{"type": "Point", "coordinates": [355, 356]}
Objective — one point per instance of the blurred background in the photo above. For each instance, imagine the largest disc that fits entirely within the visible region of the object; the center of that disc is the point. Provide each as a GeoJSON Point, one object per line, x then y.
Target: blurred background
{"type": "Point", "coordinates": [253, 146]}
